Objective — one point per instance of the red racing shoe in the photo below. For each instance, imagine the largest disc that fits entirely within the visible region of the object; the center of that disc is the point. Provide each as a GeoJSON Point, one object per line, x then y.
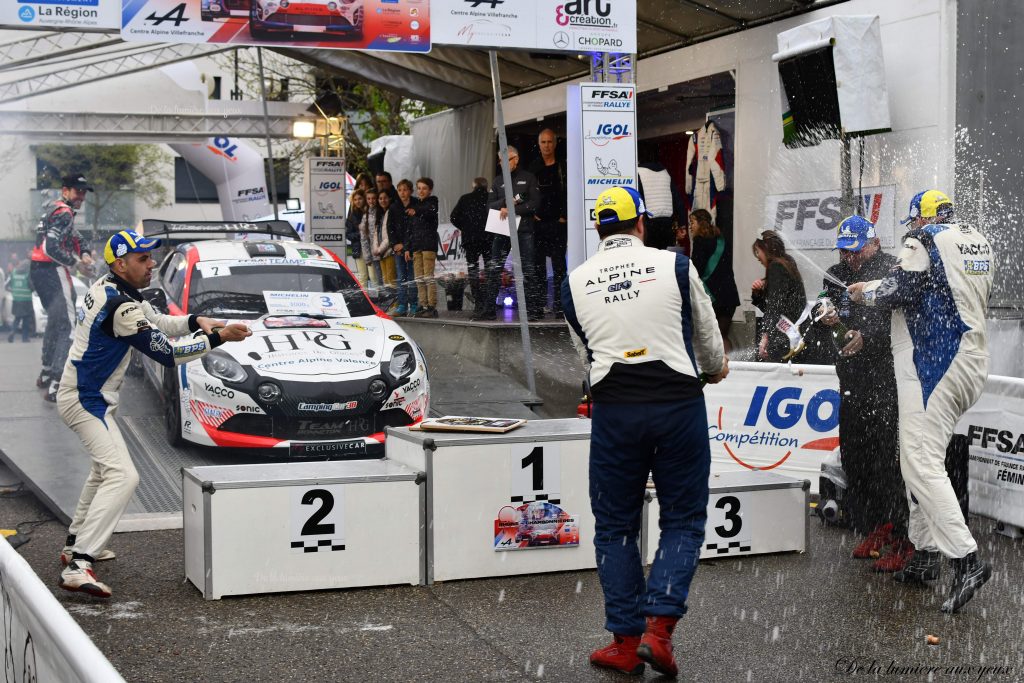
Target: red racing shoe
{"type": "Point", "coordinates": [619, 655]}
{"type": "Point", "coordinates": [876, 540]}
{"type": "Point", "coordinates": [656, 645]}
{"type": "Point", "coordinates": [897, 558]}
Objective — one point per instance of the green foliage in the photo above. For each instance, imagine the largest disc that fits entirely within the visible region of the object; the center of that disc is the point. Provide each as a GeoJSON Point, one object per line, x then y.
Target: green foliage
{"type": "Point", "coordinates": [117, 172]}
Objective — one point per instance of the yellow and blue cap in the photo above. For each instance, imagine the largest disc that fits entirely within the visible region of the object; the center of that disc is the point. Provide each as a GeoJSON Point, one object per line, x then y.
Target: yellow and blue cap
{"type": "Point", "coordinates": [927, 204]}
{"type": "Point", "coordinates": [624, 201]}
{"type": "Point", "coordinates": [127, 242]}
{"type": "Point", "coordinates": [854, 232]}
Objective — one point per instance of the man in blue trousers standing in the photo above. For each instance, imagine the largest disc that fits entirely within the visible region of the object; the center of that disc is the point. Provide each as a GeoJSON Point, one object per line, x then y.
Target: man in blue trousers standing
{"type": "Point", "coordinates": [647, 332]}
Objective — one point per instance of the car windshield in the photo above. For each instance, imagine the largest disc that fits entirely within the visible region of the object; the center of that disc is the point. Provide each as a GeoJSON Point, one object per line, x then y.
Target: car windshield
{"type": "Point", "coordinates": [233, 291]}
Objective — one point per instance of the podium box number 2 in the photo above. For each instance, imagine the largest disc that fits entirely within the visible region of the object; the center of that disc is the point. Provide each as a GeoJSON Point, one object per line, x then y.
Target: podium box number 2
{"type": "Point", "coordinates": [302, 526]}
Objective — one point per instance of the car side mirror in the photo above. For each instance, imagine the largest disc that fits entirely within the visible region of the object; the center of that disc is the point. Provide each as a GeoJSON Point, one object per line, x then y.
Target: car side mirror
{"type": "Point", "coordinates": [156, 297]}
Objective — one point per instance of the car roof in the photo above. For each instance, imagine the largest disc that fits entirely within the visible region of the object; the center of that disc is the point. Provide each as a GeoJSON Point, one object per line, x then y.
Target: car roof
{"type": "Point", "coordinates": [235, 250]}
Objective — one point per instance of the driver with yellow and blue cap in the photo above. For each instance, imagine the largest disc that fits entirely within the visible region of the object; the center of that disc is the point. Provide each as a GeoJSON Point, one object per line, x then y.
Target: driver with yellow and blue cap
{"type": "Point", "coordinates": [117, 319]}
{"type": "Point", "coordinates": [939, 297]}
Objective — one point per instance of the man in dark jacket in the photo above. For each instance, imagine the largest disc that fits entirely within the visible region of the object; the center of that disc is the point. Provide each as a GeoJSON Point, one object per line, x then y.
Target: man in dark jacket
{"type": "Point", "coordinates": [526, 197]}
{"type": "Point", "coordinates": [58, 250]}
{"type": "Point", "coordinates": [868, 414]}
{"type": "Point", "coordinates": [470, 217]}
{"type": "Point", "coordinates": [551, 220]}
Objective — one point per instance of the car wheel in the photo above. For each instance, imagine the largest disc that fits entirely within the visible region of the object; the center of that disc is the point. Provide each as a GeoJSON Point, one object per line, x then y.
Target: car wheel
{"type": "Point", "coordinates": [254, 30]}
{"type": "Point", "coordinates": [172, 412]}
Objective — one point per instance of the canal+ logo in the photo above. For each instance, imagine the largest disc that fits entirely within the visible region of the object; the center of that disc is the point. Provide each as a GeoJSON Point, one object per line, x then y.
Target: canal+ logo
{"type": "Point", "coordinates": [223, 147]}
{"type": "Point", "coordinates": [783, 411]}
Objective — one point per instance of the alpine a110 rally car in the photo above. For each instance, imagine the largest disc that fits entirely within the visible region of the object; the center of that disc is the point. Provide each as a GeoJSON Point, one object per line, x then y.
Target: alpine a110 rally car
{"type": "Point", "coordinates": [335, 17]}
{"type": "Point", "coordinates": [324, 372]}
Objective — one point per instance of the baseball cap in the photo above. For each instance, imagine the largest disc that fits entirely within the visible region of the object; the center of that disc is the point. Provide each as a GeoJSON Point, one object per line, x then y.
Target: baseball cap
{"type": "Point", "coordinates": [854, 232]}
{"type": "Point", "coordinates": [624, 201]}
{"type": "Point", "coordinates": [926, 205]}
{"type": "Point", "coordinates": [76, 181]}
{"type": "Point", "coordinates": [127, 242]}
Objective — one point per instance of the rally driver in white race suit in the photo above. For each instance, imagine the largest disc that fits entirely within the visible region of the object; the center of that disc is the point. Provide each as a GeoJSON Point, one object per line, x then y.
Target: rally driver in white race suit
{"type": "Point", "coordinates": [116, 320]}
{"type": "Point", "coordinates": [940, 291]}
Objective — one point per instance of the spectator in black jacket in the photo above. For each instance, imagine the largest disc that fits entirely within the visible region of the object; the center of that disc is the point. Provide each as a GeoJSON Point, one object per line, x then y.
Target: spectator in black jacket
{"type": "Point", "coordinates": [423, 245]}
{"type": "Point", "coordinates": [526, 196]}
{"type": "Point", "coordinates": [400, 227]}
{"type": "Point", "coordinates": [779, 293]}
{"type": "Point", "coordinates": [551, 220]}
{"type": "Point", "coordinates": [385, 184]}
{"type": "Point", "coordinates": [712, 257]}
{"type": "Point", "coordinates": [470, 217]}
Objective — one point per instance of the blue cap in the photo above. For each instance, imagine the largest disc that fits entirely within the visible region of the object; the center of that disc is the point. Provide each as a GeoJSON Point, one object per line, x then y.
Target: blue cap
{"type": "Point", "coordinates": [127, 242]}
{"type": "Point", "coordinates": [854, 233]}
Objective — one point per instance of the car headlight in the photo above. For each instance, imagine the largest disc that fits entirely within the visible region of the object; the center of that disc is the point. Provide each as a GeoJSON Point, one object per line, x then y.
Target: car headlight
{"type": "Point", "coordinates": [378, 389]}
{"type": "Point", "coordinates": [222, 366]}
{"type": "Point", "coordinates": [332, 6]}
{"type": "Point", "coordinates": [284, 4]}
{"type": "Point", "coordinates": [269, 392]}
{"type": "Point", "coordinates": [403, 362]}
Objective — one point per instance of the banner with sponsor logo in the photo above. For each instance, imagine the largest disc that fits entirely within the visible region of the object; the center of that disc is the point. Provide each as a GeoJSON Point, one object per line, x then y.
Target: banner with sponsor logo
{"type": "Point", "coordinates": [451, 253]}
{"type": "Point", "coordinates": [71, 14]}
{"type": "Point", "coordinates": [325, 202]}
{"type": "Point", "coordinates": [809, 220]}
{"type": "Point", "coordinates": [607, 125]}
{"type": "Point", "coordinates": [557, 25]}
{"type": "Point", "coordinates": [780, 418]}
{"type": "Point", "coordinates": [393, 25]}
{"type": "Point", "coordinates": [994, 429]}
{"type": "Point", "coordinates": [236, 168]}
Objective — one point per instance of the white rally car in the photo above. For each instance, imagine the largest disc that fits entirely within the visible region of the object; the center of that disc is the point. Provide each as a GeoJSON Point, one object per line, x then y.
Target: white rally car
{"type": "Point", "coordinates": [331, 17]}
{"type": "Point", "coordinates": [324, 372]}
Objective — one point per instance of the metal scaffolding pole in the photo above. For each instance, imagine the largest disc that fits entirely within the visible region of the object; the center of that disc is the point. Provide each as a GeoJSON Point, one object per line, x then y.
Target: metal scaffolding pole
{"type": "Point", "coordinates": [46, 47]}
{"type": "Point", "coordinates": [142, 127]}
{"type": "Point", "coordinates": [271, 171]}
{"type": "Point", "coordinates": [517, 264]}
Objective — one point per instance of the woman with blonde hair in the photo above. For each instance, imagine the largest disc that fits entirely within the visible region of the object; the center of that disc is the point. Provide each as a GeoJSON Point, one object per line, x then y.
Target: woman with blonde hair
{"type": "Point", "coordinates": [712, 257]}
{"type": "Point", "coordinates": [779, 293]}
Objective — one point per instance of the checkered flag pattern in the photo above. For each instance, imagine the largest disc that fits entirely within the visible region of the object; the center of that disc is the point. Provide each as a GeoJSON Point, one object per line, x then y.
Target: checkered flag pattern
{"type": "Point", "coordinates": [730, 548]}
{"type": "Point", "coordinates": [326, 544]}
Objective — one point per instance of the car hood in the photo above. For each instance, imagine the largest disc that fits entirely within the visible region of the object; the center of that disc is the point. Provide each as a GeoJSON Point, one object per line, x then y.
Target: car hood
{"type": "Point", "coordinates": [283, 346]}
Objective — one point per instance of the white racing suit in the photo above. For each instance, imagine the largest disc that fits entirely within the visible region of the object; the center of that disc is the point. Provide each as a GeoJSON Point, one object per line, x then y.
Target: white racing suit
{"type": "Point", "coordinates": [705, 169]}
{"type": "Point", "coordinates": [116, 319]}
{"type": "Point", "coordinates": [940, 291]}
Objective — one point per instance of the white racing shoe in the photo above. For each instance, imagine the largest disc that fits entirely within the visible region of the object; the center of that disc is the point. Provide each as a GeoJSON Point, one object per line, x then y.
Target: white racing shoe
{"type": "Point", "coordinates": [104, 555]}
{"type": "Point", "coordinates": [79, 576]}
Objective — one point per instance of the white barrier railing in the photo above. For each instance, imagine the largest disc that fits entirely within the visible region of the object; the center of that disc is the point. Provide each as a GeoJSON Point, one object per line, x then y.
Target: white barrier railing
{"type": "Point", "coordinates": [42, 643]}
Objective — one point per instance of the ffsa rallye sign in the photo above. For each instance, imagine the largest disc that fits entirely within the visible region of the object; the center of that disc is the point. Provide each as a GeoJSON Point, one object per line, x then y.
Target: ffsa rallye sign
{"type": "Point", "coordinates": [809, 220]}
{"type": "Point", "coordinates": [768, 418]}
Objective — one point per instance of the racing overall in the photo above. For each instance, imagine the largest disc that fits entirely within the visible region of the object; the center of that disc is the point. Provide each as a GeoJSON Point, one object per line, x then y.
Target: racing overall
{"type": "Point", "coordinates": [57, 251]}
{"type": "Point", "coordinates": [645, 328]}
{"type": "Point", "coordinates": [116, 319]}
{"type": "Point", "coordinates": [940, 292]}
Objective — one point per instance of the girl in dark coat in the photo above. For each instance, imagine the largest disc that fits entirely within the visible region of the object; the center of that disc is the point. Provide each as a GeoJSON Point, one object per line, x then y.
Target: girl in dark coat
{"type": "Point", "coordinates": [712, 257]}
{"type": "Point", "coordinates": [779, 293]}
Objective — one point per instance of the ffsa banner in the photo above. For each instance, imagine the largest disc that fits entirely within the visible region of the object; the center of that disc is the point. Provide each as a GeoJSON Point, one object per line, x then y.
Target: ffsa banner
{"type": "Point", "coordinates": [71, 14]}
{"type": "Point", "coordinates": [810, 220]}
{"type": "Point", "coordinates": [394, 25]}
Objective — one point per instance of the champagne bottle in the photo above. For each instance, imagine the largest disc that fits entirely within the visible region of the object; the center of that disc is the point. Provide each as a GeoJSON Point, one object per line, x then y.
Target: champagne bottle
{"type": "Point", "coordinates": [824, 308]}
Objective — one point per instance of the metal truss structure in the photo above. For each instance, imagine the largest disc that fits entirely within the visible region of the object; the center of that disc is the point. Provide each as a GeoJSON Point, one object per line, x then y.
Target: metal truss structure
{"type": "Point", "coordinates": [607, 67]}
{"type": "Point", "coordinates": [50, 46]}
{"type": "Point", "coordinates": [103, 68]}
{"type": "Point", "coordinates": [142, 127]}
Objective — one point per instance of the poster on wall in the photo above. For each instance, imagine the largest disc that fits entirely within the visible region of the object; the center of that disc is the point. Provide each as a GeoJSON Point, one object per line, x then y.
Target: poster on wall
{"type": "Point", "coordinates": [70, 14]}
{"type": "Point", "coordinates": [325, 202]}
{"type": "Point", "coordinates": [392, 25]}
{"type": "Point", "coordinates": [809, 220]}
{"type": "Point", "coordinates": [556, 25]}
{"type": "Point", "coordinates": [608, 123]}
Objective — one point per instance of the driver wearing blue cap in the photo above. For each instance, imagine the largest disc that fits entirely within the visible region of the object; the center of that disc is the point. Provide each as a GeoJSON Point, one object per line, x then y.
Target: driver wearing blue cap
{"type": "Point", "coordinates": [939, 296]}
{"type": "Point", "coordinates": [116, 320]}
